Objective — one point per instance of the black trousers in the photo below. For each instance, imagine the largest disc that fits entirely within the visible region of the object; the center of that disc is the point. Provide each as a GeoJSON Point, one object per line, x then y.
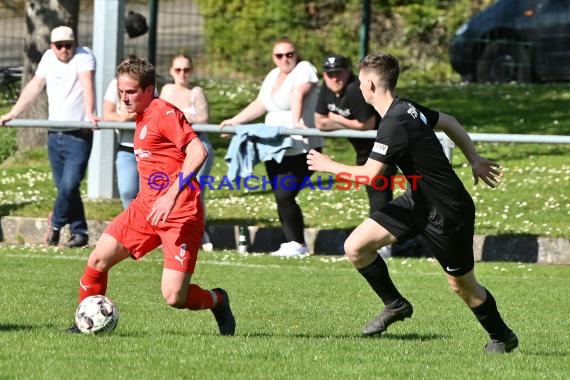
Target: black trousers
{"type": "Point", "coordinates": [286, 177]}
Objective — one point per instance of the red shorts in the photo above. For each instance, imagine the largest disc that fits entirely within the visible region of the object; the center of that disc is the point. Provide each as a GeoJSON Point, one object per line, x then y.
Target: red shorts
{"type": "Point", "coordinates": [180, 238]}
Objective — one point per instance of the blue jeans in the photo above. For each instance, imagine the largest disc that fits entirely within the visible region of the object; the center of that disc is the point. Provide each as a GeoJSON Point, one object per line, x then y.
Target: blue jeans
{"type": "Point", "coordinates": [68, 154]}
{"type": "Point", "coordinates": [205, 169]}
{"type": "Point", "coordinates": [127, 176]}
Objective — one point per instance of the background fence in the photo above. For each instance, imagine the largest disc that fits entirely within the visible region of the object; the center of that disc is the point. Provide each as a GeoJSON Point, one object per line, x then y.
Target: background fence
{"type": "Point", "coordinates": [179, 29]}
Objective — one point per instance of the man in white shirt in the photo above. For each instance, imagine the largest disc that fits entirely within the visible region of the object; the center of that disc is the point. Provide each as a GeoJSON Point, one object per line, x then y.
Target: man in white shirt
{"type": "Point", "coordinates": [67, 72]}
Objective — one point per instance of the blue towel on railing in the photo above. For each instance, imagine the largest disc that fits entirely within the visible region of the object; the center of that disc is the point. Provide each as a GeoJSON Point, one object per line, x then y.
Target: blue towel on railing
{"type": "Point", "coordinates": [254, 143]}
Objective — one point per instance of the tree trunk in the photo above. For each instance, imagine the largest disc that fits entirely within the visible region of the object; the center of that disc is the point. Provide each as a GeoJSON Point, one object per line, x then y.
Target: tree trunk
{"type": "Point", "coordinates": [41, 17]}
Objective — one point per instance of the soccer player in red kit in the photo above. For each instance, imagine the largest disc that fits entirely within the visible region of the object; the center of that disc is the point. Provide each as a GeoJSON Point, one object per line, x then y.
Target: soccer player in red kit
{"type": "Point", "coordinates": [167, 211]}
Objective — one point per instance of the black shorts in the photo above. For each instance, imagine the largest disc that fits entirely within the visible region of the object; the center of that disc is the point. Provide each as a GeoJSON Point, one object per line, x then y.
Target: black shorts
{"type": "Point", "coordinates": [450, 243]}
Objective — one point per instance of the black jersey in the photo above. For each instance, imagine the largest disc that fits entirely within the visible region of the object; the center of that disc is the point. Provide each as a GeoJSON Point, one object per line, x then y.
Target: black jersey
{"type": "Point", "coordinates": [406, 138]}
{"type": "Point", "coordinates": [351, 105]}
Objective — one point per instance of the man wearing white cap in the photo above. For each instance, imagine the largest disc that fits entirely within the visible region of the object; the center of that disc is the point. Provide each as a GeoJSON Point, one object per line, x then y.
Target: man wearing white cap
{"type": "Point", "coordinates": [67, 72]}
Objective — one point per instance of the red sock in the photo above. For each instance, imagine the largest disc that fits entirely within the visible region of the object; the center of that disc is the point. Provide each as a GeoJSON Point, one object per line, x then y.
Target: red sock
{"type": "Point", "coordinates": [93, 282]}
{"type": "Point", "coordinates": [198, 298]}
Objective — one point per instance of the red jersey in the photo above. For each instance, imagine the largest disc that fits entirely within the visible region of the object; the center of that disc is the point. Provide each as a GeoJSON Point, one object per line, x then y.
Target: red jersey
{"type": "Point", "coordinates": [161, 135]}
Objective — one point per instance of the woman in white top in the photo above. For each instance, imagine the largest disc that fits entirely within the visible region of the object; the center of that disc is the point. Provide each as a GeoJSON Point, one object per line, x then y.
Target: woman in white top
{"type": "Point", "coordinates": [287, 97]}
{"type": "Point", "coordinates": [192, 101]}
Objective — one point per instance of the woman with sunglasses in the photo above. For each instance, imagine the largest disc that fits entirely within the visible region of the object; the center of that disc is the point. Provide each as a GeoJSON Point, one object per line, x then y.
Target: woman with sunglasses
{"type": "Point", "coordinates": [287, 98]}
{"type": "Point", "coordinates": [192, 101]}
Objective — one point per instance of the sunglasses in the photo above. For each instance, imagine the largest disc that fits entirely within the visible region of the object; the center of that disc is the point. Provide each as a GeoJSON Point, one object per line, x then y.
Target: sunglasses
{"type": "Point", "coordinates": [59, 45]}
{"type": "Point", "coordinates": [180, 69]}
{"type": "Point", "coordinates": [290, 54]}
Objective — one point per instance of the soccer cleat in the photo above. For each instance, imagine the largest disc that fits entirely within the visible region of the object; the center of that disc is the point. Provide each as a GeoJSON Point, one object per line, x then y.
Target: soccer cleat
{"type": "Point", "coordinates": [396, 311]}
{"type": "Point", "coordinates": [291, 249]}
{"type": "Point", "coordinates": [73, 329]}
{"type": "Point", "coordinates": [76, 241]}
{"type": "Point", "coordinates": [52, 236]}
{"type": "Point", "coordinates": [505, 344]}
{"type": "Point", "coordinates": [223, 314]}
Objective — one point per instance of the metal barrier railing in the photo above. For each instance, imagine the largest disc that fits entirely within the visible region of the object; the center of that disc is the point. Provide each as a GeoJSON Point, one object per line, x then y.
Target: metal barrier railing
{"type": "Point", "coordinates": [105, 149]}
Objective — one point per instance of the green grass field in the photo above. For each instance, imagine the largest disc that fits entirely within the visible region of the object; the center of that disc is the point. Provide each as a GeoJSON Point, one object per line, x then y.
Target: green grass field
{"type": "Point", "coordinates": [296, 319]}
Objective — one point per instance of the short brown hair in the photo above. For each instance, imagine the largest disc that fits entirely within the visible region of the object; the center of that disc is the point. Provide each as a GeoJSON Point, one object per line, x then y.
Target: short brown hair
{"type": "Point", "coordinates": [384, 65]}
{"type": "Point", "coordinates": [140, 70]}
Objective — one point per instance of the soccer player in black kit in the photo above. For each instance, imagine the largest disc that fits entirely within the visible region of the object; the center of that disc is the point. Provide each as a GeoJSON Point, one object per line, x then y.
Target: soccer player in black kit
{"type": "Point", "coordinates": [439, 208]}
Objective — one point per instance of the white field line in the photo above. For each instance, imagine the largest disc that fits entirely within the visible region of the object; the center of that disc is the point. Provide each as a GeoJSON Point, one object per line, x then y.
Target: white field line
{"type": "Point", "coordinates": [395, 267]}
{"type": "Point", "coordinates": [159, 260]}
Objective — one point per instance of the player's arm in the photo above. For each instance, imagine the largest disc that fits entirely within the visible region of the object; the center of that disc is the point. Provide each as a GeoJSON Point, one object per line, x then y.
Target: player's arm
{"type": "Point", "coordinates": [354, 123]}
{"type": "Point", "coordinates": [252, 111]}
{"type": "Point", "coordinates": [490, 172]}
{"type": "Point", "coordinates": [86, 80]}
{"type": "Point", "coordinates": [110, 112]}
{"type": "Point", "coordinates": [195, 156]}
{"type": "Point", "coordinates": [296, 100]}
{"type": "Point", "coordinates": [324, 123]}
{"type": "Point", "coordinates": [356, 173]}
{"type": "Point", "coordinates": [201, 105]}
{"type": "Point", "coordinates": [28, 95]}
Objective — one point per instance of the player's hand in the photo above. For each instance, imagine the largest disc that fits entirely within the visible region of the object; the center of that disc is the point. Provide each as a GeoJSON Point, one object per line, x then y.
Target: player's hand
{"type": "Point", "coordinates": [300, 124]}
{"type": "Point", "coordinates": [318, 161]}
{"type": "Point", "coordinates": [161, 209]}
{"type": "Point", "coordinates": [225, 123]}
{"type": "Point", "coordinates": [94, 120]}
{"type": "Point", "coordinates": [6, 118]}
{"type": "Point", "coordinates": [490, 172]}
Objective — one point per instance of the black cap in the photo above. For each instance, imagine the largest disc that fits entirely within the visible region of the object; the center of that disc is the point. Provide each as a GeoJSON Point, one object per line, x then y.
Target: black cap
{"type": "Point", "coordinates": [335, 63]}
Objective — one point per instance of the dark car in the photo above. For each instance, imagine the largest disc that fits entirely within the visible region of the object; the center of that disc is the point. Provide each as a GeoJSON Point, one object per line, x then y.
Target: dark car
{"type": "Point", "coordinates": [515, 40]}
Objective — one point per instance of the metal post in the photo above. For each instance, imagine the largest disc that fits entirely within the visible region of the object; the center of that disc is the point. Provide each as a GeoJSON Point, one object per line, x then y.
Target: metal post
{"type": "Point", "coordinates": [153, 15]}
{"type": "Point", "coordinates": [108, 35]}
{"type": "Point", "coordinates": [365, 28]}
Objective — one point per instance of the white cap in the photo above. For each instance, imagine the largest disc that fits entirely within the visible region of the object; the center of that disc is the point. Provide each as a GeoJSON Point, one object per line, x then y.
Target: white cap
{"type": "Point", "coordinates": [62, 33]}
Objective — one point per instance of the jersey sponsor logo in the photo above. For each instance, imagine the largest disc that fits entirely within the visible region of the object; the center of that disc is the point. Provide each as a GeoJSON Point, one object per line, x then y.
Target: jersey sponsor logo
{"type": "Point", "coordinates": [169, 112]}
{"type": "Point", "coordinates": [413, 112]}
{"type": "Point", "coordinates": [142, 133]}
{"type": "Point", "coordinates": [344, 112]}
{"type": "Point", "coordinates": [181, 254]}
{"type": "Point", "coordinates": [141, 153]}
{"type": "Point", "coordinates": [380, 148]}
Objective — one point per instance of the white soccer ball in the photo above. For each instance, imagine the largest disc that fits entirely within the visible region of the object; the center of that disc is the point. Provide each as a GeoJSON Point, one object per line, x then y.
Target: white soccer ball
{"type": "Point", "coordinates": [96, 315]}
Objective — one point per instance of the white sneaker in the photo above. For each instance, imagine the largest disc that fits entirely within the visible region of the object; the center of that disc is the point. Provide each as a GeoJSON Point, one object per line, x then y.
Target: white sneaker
{"type": "Point", "coordinates": [207, 245]}
{"type": "Point", "coordinates": [291, 249]}
{"type": "Point", "coordinates": [385, 252]}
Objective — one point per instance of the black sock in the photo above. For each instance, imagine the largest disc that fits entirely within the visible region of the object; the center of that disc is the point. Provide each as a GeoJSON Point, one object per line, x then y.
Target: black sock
{"type": "Point", "coordinates": [488, 316]}
{"type": "Point", "coordinates": [379, 279]}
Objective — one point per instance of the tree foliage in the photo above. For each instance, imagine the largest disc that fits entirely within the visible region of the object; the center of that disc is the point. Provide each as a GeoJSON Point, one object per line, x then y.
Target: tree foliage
{"type": "Point", "coordinates": [240, 33]}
